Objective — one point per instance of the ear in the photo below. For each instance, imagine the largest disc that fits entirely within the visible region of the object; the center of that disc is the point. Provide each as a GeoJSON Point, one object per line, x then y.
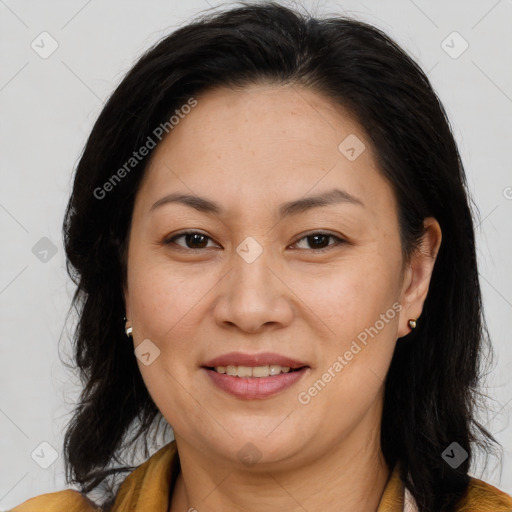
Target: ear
{"type": "Point", "coordinates": [417, 275]}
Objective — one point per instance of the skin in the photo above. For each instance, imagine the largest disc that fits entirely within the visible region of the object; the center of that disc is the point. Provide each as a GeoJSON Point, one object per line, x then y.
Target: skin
{"type": "Point", "coordinates": [251, 150]}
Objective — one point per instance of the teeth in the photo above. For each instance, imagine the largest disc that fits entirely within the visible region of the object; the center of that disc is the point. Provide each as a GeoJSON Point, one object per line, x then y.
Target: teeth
{"type": "Point", "coordinates": [253, 371]}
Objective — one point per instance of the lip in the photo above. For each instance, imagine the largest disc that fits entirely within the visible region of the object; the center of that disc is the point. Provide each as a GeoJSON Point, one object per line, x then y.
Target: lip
{"type": "Point", "coordinates": [254, 388]}
{"type": "Point", "coordinates": [261, 359]}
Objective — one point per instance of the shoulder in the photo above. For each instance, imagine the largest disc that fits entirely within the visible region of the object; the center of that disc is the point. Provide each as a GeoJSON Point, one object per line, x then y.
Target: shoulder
{"type": "Point", "coordinates": [483, 497]}
{"type": "Point", "coordinates": [60, 501]}
{"type": "Point", "coordinates": [147, 484]}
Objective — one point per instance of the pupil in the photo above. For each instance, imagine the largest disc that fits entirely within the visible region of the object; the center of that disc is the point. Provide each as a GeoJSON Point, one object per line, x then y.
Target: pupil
{"type": "Point", "coordinates": [316, 237]}
{"type": "Point", "coordinates": [192, 238]}
{"type": "Point", "coordinates": [195, 238]}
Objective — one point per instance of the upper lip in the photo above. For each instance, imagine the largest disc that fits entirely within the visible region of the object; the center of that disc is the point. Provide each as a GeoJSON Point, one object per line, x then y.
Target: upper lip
{"type": "Point", "coordinates": [261, 359]}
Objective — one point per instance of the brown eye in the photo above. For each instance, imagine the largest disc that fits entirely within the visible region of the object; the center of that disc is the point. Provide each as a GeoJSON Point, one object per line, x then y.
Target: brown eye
{"type": "Point", "coordinates": [193, 240]}
{"type": "Point", "coordinates": [320, 240]}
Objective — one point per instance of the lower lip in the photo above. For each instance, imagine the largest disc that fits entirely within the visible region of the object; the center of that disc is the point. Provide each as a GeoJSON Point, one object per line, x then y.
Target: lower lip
{"type": "Point", "coordinates": [255, 387]}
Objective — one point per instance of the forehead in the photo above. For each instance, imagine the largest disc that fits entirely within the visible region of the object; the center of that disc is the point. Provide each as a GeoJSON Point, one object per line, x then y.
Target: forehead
{"type": "Point", "coordinates": [264, 141]}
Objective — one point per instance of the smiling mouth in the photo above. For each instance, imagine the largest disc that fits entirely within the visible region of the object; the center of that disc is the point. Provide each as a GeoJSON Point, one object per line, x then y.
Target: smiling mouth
{"type": "Point", "coordinates": [271, 370]}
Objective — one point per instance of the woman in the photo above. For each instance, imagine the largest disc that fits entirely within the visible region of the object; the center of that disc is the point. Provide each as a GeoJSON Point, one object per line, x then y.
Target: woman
{"type": "Point", "coordinates": [270, 234]}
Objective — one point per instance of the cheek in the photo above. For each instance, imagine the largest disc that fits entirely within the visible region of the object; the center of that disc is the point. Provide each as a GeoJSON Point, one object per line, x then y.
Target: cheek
{"type": "Point", "coordinates": [353, 295]}
{"type": "Point", "coordinates": [162, 296]}
{"type": "Point", "coordinates": [358, 308]}
{"type": "Point", "coordinates": [163, 302]}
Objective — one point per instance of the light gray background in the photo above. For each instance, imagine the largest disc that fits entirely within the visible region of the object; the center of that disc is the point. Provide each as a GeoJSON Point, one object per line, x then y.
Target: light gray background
{"type": "Point", "coordinates": [48, 107]}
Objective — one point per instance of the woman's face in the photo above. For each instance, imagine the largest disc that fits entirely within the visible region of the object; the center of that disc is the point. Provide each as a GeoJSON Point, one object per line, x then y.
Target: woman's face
{"type": "Point", "coordinates": [319, 284]}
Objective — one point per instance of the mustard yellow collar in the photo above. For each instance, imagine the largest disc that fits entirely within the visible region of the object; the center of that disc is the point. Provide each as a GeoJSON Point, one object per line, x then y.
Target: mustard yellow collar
{"type": "Point", "coordinates": [149, 487]}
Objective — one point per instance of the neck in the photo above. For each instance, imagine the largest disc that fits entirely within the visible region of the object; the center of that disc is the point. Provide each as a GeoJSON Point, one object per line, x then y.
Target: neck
{"type": "Point", "coordinates": [348, 476]}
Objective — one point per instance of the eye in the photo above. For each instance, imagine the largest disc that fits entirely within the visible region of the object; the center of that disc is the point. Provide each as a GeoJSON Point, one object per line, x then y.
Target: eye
{"type": "Point", "coordinates": [193, 240]}
{"type": "Point", "coordinates": [319, 240]}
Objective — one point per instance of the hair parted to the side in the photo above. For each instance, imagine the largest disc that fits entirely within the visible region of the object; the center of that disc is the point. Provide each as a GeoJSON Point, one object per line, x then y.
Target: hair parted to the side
{"type": "Point", "coordinates": [431, 387]}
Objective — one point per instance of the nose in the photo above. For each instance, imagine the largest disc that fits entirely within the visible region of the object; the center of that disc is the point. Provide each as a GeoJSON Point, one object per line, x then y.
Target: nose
{"type": "Point", "coordinates": [254, 295]}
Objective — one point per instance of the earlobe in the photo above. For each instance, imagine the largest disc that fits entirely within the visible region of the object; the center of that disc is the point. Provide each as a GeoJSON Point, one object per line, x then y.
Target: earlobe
{"type": "Point", "coordinates": [418, 275]}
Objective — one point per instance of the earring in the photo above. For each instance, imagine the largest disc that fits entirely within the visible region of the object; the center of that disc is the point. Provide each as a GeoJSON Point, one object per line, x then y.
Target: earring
{"type": "Point", "coordinates": [128, 330]}
{"type": "Point", "coordinates": [412, 323]}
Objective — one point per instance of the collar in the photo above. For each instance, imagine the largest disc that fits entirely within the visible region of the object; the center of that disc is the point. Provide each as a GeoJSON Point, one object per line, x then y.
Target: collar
{"type": "Point", "coordinates": [150, 486]}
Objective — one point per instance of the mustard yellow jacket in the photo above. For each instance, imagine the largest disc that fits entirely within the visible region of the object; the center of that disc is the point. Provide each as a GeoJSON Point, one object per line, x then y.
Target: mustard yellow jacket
{"type": "Point", "coordinates": [148, 487]}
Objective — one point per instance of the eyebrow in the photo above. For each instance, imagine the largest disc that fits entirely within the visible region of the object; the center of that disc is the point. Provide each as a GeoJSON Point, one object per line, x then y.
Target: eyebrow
{"type": "Point", "coordinates": [201, 204]}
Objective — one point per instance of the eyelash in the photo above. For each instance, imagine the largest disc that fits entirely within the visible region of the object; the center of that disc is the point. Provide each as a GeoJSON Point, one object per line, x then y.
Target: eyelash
{"type": "Point", "coordinates": [338, 239]}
